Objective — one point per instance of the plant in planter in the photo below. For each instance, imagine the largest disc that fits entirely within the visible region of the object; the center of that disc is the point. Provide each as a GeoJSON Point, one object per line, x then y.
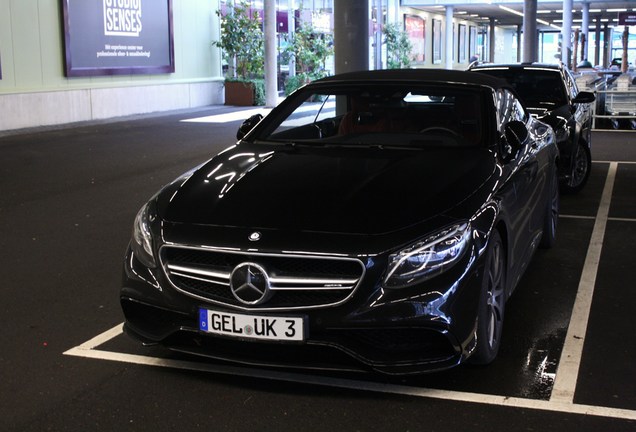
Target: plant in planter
{"type": "Point", "coordinates": [310, 49]}
{"type": "Point", "coordinates": [242, 44]}
{"type": "Point", "coordinates": [398, 47]}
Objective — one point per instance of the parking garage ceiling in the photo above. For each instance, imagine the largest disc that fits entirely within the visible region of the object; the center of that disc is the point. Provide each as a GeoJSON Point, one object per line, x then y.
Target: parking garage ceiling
{"type": "Point", "coordinates": [510, 13]}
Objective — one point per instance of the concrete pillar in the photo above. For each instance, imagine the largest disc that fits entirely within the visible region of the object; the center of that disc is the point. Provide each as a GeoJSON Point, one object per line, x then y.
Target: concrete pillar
{"type": "Point", "coordinates": [566, 34]}
{"type": "Point", "coordinates": [377, 36]}
{"type": "Point", "coordinates": [449, 37]}
{"type": "Point", "coordinates": [520, 43]}
{"type": "Point", "coordinates": [585, 25]}
{"type": "Point", "coordinates": [291, 29]}
{"type": "Point", "coordinates": [393, 12]}
{"type": "Point", "coordinates": [491, 43]}
{"type": "Point", "coordinates": [625, 40]}
{"type": "Point", "coordinates": [351, 35]}
{"type": "Point", "coordinates": [530, 51]}
{"type": "Point", "coordinates": [271, 78]}
{"type": "Point", "coordinates": [607, 46]}
{"type": "Point", "coordinates": [597, 37]}
{"type": "Point", "coordinates": [231, 67]}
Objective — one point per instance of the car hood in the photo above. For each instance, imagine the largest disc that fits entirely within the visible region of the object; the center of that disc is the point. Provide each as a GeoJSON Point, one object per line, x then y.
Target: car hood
{"type": "Point", "coordinates": [327, 189]}
{"type": "Point", "coordinates": [551, 115]}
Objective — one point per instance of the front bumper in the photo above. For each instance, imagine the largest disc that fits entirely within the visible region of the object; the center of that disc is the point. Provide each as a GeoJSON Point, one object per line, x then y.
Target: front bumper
{"type": "Point", "coordinates": [420, 329]}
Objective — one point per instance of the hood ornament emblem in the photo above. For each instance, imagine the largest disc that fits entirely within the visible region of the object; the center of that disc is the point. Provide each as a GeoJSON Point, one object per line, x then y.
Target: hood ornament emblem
{"type": "Point", "coordinates": [255, 236]}
{"type": "Point", "coordinates": [250, 284]}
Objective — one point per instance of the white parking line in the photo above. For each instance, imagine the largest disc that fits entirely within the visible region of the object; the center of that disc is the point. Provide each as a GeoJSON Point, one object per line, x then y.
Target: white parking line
{"type": "Point", "coordinates": [88, 350]}
{"type": "Point", "coordinates": [611, 219]}
{"type": "Point", "coordinates": [566, 216]}
{"type": "Point", "coordinates": [610, 162]}
{"type": "Point", "coordinates": [617, 219]}
{"type": "Point", "coordinates": [570, 362]}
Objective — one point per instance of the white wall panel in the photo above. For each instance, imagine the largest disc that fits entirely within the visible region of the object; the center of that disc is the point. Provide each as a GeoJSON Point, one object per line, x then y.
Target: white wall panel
{"type": "Point", "coordinates": [24, 110]}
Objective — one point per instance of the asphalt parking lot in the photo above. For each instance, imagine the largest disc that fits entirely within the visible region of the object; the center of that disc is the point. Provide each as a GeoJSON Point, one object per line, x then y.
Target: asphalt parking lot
{"type": "Point", "coordinates": [67, 202]}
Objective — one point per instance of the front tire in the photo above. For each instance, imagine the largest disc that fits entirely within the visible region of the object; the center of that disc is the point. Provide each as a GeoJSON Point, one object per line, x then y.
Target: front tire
{"type": "Point", "coordinates": [581, 167]}
{"type": "Point", "coordinates": [492, 302]}
{"type": "Point", "coordinates": [551, 218]}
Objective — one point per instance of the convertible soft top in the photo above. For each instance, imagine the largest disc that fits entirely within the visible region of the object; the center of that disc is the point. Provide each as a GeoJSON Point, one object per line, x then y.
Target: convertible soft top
{"type": "Point", "coordinates": [419, 75]}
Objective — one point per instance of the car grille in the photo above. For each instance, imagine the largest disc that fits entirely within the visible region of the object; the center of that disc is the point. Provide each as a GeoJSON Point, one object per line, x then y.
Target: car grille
{"type": "Point", "coordinates": [295, 282]}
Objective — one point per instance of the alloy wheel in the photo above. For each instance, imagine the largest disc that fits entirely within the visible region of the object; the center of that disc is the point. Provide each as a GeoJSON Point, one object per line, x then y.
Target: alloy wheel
{"type": "Point", "coordinates": [495, 296]}
{"type": "Point", "coordinates": [580, 167]}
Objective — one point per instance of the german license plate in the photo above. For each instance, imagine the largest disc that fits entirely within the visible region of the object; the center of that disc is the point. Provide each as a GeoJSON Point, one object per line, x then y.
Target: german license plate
{"type": "Point", "coordinates": [276, 328]}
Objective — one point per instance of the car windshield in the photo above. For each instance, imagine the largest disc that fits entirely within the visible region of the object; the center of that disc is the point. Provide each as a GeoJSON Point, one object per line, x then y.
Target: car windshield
{"type": "Point", "coordinates": [381, 115]}
{"type": "Point", "coordinates": [538, 88]}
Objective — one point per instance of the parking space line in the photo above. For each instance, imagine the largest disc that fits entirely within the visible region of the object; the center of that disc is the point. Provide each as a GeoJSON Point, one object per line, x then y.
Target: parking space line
{"type": "Point", "coordinates": [617, 219]}
{"type": "Point", "coordinates": [611, 219]}
{"type": "Point", "coordinates": [102, 338]}
{"type": "Point", "coordinates": [611, 162]}
{"type": "Point", "coordinates": [566, 216]}
{"type": "Point", "coordinates": [570, 361]}
{"type": "Point", "coordinates": [87, 350]}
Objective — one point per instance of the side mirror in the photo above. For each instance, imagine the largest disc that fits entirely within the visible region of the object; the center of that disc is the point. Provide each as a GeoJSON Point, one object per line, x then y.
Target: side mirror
{"type": "Point", "coordinates": [584, 97]}
{"type": "Point", "coordinates": [248, 125]}
{"type": "Point", "coordinates": [515, 135]}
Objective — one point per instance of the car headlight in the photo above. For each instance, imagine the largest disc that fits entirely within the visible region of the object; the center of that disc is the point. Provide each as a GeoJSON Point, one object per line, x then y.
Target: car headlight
{"type": "Point", "coordinates": [562, 134]}
{"type": "Point", "coordinates": [142, 237]}
{"type": "Point", "coordinates": [427, 258]}
{"type": "Point", "coordinates": [561, 130]}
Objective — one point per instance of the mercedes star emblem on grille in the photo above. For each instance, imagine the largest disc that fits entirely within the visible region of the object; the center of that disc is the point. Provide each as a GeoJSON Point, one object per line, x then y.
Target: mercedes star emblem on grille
{"type": "Point", "coordinates": [250, 284]}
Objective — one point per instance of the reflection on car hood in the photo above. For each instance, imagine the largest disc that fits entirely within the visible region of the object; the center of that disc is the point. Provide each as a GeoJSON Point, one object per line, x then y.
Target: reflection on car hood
{"type": "Point", "coordinates": [553, 111]}
{"type": "Point", "coordinates": [557, 118]}
{"type": "Point", "coordinates": [538, 112]}
{"type": "Point", "coordinates": [363, 190]}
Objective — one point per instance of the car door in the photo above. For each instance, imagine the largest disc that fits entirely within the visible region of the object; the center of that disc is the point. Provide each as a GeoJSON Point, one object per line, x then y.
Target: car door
{"type": "Point", "coordinates": [582, 112]}
{"type": "Point", "coordinates": [528, 179]}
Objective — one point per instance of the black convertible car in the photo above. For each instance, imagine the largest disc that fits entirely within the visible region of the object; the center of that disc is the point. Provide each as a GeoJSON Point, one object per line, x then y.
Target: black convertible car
{"type": "Point", "coordinates": [550, 94]}
{"type": "Point", "coordinates": [372, 221]}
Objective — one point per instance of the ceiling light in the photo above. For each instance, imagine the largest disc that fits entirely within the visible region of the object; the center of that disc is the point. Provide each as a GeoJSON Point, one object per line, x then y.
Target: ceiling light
{"type": "Point", "coordinates": [512, 11]}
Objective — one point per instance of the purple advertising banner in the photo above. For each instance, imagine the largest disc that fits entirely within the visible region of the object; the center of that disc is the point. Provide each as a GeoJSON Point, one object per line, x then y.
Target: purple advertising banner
{"type": "Point", "coordinates": [627, 18]}
{"type": "Point", "coordinates": [116, 37]}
